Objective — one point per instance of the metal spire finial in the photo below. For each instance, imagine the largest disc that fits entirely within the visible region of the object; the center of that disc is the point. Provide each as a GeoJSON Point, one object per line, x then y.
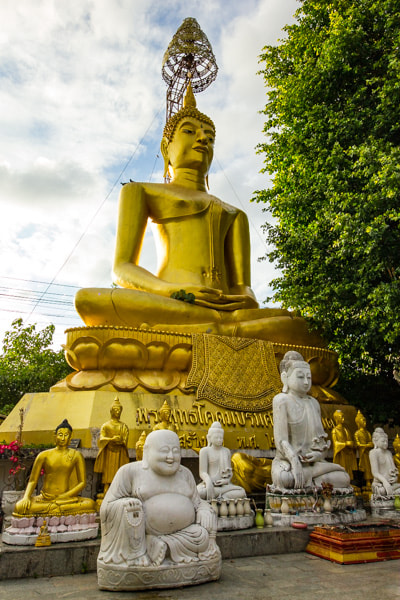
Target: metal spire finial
{"type": "Point", "coordinates": [189, 57]}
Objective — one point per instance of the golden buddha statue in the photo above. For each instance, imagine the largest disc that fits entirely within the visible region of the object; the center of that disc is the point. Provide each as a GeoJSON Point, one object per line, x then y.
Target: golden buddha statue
{"type": "Point", "coordinates": [396, 456]}
{"type": "Point", "coordinates": [364, 444]}
{"type": "Point", "coordinates": [113, 446]}
{"type": "Point", "coordinates": [343, 446]}
{"type": "Point", "coordinates": [203, 249]}
{"type": "Point", "coordinates": [140, 445]}
{"type": "Point", "coordinates": [165, 418]}
{"type": "Point", "coordinates": [64, 479]}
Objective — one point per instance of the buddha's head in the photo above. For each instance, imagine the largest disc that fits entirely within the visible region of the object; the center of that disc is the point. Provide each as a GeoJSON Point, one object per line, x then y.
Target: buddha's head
{"type": "Point", "coordinates": [188, 138]}
{"type": "Point", "coordinates": [63, 433]}
{"type": "Point", "coordinates": [380, 438]}
{"type": "Point", "coordinates": [162, 452]}
{"type": "Point", "coordinates": [116, 409]}
{"type": "Point", "coordinates": [165, 412]}
{"type": "Point", "coordinates": [360, 420]}
{"type": "Point", "coordinates": [215, 435]}
{"type": "Point", "coordinates": [338, 417]}
{"type": "Point", "coordinates": [295, 373]}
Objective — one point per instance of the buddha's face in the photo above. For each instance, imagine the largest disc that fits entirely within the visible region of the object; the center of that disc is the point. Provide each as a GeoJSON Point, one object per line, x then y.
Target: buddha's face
{"type": "Point", "coordinates": [63, 437]}
{"type": "Point", "coordinates": [165, 414]}
{"type": "Point", "coordinates": [116, 412]}
{"type": "Point", "coordinates": [192, 145]}
{"type": "Point", "coordinates": [339, 418]}
{"type": "Point", "coordinates": [381, 441]}
{"type": "Point", "coordinates": [163, 453]}
{"type": "Point", "coordinates": [216, 436]}
{"type": "Point", "coordinates": [361, 422]}
{"type": "Point", "coordinates": [299, 380]}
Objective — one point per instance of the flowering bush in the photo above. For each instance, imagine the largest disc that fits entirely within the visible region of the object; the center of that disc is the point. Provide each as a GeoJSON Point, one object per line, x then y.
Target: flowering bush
{"type": "Point", "coordinates": [13, 452]}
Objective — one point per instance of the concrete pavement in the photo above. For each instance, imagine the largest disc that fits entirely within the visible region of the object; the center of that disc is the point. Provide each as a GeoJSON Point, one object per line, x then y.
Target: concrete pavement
{"type": "Point", "coordinates": [297, 576]}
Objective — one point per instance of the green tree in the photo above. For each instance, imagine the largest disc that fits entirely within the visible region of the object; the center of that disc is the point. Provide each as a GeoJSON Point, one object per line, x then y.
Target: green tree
{"type": "Point", "coordinates": [333, 151]}
{"type": "Point", "coordinates": [27, 364]}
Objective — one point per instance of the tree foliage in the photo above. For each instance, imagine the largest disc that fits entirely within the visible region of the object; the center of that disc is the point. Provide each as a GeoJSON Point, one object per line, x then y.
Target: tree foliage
{"type": "Point", "coordinates": [333, 150]}
{"type": "Point", "coordinates": [27, 364]}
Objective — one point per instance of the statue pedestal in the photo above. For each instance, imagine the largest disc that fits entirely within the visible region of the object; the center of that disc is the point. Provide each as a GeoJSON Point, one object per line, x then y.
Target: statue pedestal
{"type": "Point", "coordinates": [308, 508]}
{"type": "Point", "coordinates": [167, 575]}
{"type": "Point", "coordinates": [383, 507]}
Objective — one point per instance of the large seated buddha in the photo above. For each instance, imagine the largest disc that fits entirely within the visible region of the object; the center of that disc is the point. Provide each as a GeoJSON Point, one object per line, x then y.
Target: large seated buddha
{"type": "Point", "coordinates": [203, 247]}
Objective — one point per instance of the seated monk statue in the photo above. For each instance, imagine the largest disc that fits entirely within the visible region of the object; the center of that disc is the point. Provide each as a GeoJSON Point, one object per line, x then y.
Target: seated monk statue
{"type": "Point", "coordinates": [64, 479]}
{"type": "Point", "coordinates": [383, 469]}
{"type": "Point", "coordinates": [215, 468]}
{"type": "Point", "coordinates": [152, 512]}
{"type": "Point", "coordinates": [203, 247]}
{"type": "Point", "coordinates": [301, 442]}
{"type": "Point", "coordinates": [113, 445]}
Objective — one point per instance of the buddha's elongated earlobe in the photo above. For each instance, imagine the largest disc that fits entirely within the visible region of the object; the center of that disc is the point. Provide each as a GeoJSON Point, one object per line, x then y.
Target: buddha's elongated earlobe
{"type": "Point", "coordinates": [164, 152]}
{"type": "Point", "coordinates": [208, 187]}
{"type": "Point", "coordinates": [167, 174]}
{"type": "Point", "coordinates": [284, 379]}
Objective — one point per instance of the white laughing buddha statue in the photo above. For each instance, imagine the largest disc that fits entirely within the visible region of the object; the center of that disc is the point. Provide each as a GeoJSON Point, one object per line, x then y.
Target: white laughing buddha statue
{"type": "Point", "coordinates": [154, 523]}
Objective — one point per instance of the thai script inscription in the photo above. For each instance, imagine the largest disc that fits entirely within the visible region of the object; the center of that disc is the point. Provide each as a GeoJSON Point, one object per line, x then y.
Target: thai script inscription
{"type": "Point", "coordinates": [199, 416]}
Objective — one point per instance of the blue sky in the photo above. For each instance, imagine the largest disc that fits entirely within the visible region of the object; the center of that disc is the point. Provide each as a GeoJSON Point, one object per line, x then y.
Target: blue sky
{"type": "Point", "coordinates": [80, 85]}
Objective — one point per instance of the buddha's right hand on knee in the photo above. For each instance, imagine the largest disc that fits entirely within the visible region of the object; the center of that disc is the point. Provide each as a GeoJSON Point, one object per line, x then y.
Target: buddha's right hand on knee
{"type": "Point", "coordinates": [23, 506]}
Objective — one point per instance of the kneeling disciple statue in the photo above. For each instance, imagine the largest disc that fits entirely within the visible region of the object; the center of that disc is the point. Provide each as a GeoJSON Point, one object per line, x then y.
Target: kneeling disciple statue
{"type": "Point", "coordinates": [156, 530]}
{"type": "Point", "coordinates": [69, 515]}
{"type": "Point", "coordinates": [301, 442]}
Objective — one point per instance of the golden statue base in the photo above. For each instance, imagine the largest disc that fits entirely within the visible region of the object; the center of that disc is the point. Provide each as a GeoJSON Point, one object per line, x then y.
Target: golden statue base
{"type": "Point", "coordinates": [127, 359]}
{"type": "Point", "coordinates": [246, 431]}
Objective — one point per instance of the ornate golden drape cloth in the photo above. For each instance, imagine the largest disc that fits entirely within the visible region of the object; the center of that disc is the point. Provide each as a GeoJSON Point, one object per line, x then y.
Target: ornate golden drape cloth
{"type": "Point", "coordinates": [237, 373]}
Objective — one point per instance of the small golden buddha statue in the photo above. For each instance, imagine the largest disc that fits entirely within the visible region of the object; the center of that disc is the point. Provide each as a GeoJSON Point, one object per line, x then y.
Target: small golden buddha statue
{"type": "Point", "coordinates": [363, 441]}
{"type": "Point", "coordinates": [64, 479]}
{"type": "Point", "coordinates": [113, 444]}
{"type": "Point", "coordinates": [204, 249]}
{"type": "Point", "coordinates": [140, 445]}
{"type": "Point", "coordinates": [43, 538]}
{"type": "Point", "coordinates": [165, 418]}
{"type": "Point", "coordinates": [343, 445]}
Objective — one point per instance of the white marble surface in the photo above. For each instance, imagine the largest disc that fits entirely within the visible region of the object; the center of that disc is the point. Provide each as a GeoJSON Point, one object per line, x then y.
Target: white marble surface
{"type": "Point", "coordinates": [20, 539]}
{"type": "Point", "coordinates": [333, 518]}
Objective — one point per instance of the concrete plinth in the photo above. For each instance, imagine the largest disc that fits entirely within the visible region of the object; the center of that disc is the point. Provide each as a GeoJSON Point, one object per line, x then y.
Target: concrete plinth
{"type": "Point", "coordinates": [81, 557]}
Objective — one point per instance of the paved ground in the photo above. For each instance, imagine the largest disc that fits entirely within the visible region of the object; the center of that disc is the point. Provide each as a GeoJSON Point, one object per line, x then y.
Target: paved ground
{"type": "Point", "coordinates": [297, 576]}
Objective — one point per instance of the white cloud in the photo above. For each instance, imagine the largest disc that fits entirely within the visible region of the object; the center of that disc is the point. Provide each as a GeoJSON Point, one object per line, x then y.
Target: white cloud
{"type": "Point", "coordinates": [82, 84]}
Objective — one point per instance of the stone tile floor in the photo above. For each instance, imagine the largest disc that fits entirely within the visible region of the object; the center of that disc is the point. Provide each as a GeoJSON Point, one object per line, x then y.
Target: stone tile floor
{"type": "Point", "coordinates": [298, 576]}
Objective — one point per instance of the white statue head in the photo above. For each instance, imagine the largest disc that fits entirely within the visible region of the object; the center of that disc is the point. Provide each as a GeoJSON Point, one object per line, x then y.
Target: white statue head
{"type": "Point", "coordinates": [295, 373]}
{"type": "Point", "coordinates": [380, 438]}
{"type": "Point", "coordinates": [162, 452]}
{"type": "Point", "coordinates": [215, 435]}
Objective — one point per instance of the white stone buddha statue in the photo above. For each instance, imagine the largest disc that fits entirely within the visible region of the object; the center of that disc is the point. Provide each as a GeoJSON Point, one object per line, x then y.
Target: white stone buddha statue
{"type": "Point", "coordinates": [301, 442]}
{"type": "Point", "coordinates": [153, 522]}
{"type": "Point", "coordinates": [215, 468]}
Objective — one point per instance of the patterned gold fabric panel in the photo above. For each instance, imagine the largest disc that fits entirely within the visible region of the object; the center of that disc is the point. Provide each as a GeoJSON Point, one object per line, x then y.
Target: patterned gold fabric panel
{"type": "Point", "coordinates": [237, 373]}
